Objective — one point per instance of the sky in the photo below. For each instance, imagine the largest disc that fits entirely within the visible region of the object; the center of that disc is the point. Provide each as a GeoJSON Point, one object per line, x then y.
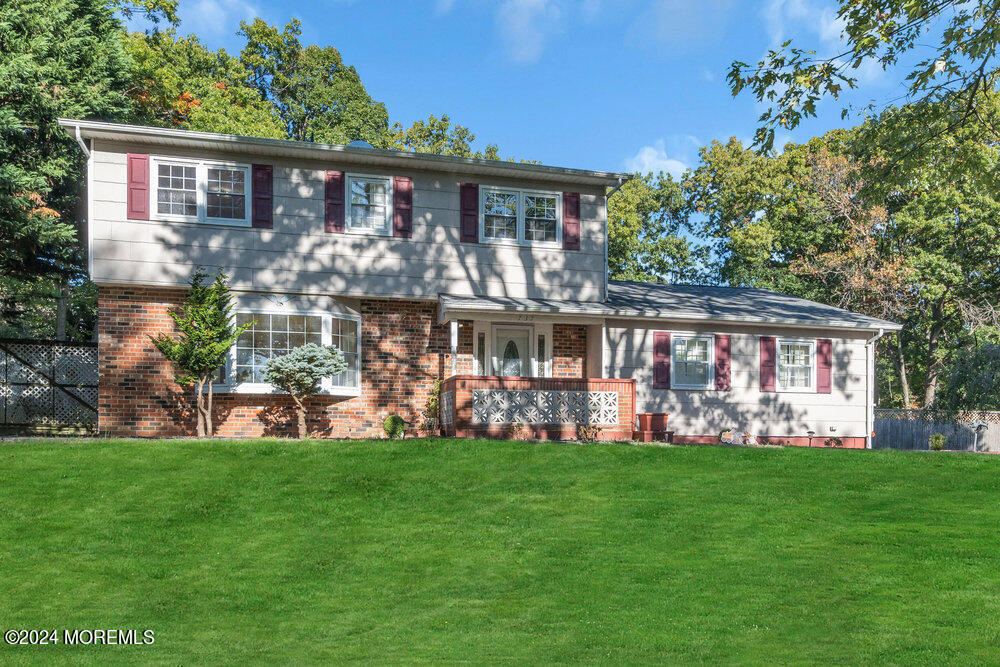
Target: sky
{"type": "Point", "coordinates": [615, 85]}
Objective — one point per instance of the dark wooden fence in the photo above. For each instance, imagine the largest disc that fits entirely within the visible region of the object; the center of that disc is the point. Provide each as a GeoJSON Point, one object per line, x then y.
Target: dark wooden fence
{"type": "Point", "coordinates": [912, 429]}
{"type": "Point", "coordinates": [47, 385]}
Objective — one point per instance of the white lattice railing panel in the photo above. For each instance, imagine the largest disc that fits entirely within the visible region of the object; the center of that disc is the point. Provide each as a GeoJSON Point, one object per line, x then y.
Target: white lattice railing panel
{"type": "Point", "coordinates": [531, 406]}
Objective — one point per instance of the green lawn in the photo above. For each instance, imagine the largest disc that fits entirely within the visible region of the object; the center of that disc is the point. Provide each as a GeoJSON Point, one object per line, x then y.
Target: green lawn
{"type": "Point", "coordinates": [451, 550]}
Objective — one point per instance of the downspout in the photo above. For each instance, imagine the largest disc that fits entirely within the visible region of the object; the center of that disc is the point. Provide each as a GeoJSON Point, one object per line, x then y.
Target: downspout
{"type": "Point", "coordinates": [870, 388]}
{"type": "Point", "coordinates": [607, 198]}
{"type": "Point", "coordinates": [90, 180]}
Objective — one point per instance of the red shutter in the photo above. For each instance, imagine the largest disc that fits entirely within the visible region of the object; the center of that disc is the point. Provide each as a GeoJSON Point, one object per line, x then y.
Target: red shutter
{"type": "Point", "coordinates": [402, 207]}
{"type": "Point", "coordinates": [469, 214]}
{"type": "Point", "coordinates": [334, 202]}
{"type": "Point", "coordinates": [768, 363]}
{"type": "Point", "coordinates": [824, 366]}
{"type": "Point", "coordinates": [722, 382]}
{"type": "Point", "coordinates": [263, 196]}
{"type": "Point", "coordinates": [571, 220]}
{"type": "Point", "coordinates": [138, 187]}
{"type": "Point", "coordinates": [661, 360]}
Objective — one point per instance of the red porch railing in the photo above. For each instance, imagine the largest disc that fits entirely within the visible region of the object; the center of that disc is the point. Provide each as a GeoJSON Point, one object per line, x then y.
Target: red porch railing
{"type": "Point", "coordinates": [545, 408]}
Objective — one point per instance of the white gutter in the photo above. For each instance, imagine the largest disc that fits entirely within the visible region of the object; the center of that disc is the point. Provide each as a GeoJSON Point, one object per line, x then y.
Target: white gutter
{"type": "Point", "coordinates": [622, 180]}
{"type": "Point", "coordinates": [288, 148]}
{"type": "Point", "coordinates": [870, 388]}
{"type": "Point", "coordinates": [83, 146]}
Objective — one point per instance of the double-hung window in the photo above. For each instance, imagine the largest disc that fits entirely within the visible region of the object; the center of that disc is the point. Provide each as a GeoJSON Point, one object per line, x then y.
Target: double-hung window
{"type": "Point", "coordinates": [796, 365]}
{"type": "Point", "coordinates": [692, 365]}
{"type": "Point", "coordinates": [521, 216]}
{"type": "Point", "coordinates": [272, 334]}
{"type": "Point", "coordinates": [200, 191]}
{"type": "Point", "coordinates": [369, 204]}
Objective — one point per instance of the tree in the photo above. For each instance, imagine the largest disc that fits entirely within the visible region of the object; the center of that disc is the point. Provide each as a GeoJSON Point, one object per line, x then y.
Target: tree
{"type": "Point", "coordinates": [438, 136]}
{"type": "Point", "coordinates": [207, 332]}
{"type": "Point", "coordinates": [57, 58]}
{"type": "Point", "coordinates": [317, 96]}
{"type": "Point", "coordinates": [645, 221]}
{"type": "Point", "coordinates": [300, 372]}
{"type": "Point", "coordinates": [961, 66]}
{"type": "Point", "coordinates": [972, 381]}
{"type": "Point", "coordinates": [177, 82]}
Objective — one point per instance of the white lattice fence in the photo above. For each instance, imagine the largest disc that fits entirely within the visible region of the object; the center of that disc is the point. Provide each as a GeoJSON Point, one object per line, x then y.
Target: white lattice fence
{"type": "Point", "coordinates": [48, 383]}
{"type": "Point", "coordinates": [530, 406]}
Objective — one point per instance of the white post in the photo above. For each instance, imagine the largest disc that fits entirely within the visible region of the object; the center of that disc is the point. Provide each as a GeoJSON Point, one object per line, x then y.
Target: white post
{"type": "Point", "coordinates": [454, 347]}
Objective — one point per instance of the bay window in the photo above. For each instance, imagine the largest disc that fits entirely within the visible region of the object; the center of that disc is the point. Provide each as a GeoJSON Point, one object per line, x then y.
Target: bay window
{"type": "Point", "coordinates": [272, 334]}
{"type": "Point", "coordinates": [520, 216]}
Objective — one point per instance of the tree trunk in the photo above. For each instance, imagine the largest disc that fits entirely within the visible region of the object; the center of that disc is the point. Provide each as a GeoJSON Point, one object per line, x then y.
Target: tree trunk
{"type": "Point", "coordinates": [62, 305]}
{"type": "Point", "coordinates": [199, 411]}
{"type": "Point", "coordinates": [209, 424]}
{"type": "Point", "coordinates": [300, 413]}
{"type": "Point", "coordinates": [934, 365]}
{"type": "Point", "coordinates": [901, 370]}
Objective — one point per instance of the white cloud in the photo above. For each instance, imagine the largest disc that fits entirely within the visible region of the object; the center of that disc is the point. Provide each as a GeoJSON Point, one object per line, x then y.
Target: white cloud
{"type": "Point", "coordinates": [525, 25]}
{"type": "Point", "coordinates": [679, 24]}
{"type": "Point", "coordinates": [216, 17]}
{"type": "Point", "coordinates": [654, 158]}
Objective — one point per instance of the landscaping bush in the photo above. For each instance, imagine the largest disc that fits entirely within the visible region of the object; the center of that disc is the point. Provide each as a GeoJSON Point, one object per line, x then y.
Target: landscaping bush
{"type": "Point", "coordinates": [938, 441]}
{"type": "Point", "coordinates": [394, 426]}
{"type": "Point", "coordinates": [300, 372]}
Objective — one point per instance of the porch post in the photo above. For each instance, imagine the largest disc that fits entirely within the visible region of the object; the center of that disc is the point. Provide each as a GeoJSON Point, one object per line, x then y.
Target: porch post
{"type": "Point", "coordinates": [454, 347]}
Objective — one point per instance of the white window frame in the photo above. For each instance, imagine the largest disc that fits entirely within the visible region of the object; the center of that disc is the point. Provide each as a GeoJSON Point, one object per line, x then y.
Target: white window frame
{"type": "Point", "coordinates": [521, 194]}
{"type": "Point", "coordinates": [389, 209]}
{"type": "Point", "coordinates": [201, 181]}
{"type": "Point", "coordinates": [811, 389]}
{"type": "Point", "coordinates": [326, 385]}
{"type": "Point", "coordinates": [710, 381]}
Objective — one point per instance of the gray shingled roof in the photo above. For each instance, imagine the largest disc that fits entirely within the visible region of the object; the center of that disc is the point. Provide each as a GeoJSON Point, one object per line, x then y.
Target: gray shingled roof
{"type": "Point", "coordinates": [685, 302]}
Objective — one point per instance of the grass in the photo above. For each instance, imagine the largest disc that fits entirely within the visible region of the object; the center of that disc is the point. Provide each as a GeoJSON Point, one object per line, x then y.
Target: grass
{"type": "Point", "coordinates": [450, 550]}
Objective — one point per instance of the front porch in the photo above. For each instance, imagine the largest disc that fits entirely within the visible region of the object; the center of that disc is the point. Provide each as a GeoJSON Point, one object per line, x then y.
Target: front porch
{"type": "Point", "coordinates": [538, 407]}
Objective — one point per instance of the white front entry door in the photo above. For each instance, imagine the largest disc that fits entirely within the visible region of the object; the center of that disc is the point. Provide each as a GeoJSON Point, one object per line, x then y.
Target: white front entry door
{"type": "Point", "coordinates": [511, 351]}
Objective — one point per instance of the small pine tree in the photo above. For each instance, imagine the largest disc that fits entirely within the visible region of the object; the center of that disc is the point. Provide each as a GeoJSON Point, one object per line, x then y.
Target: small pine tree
{"type": "Point", "coordinates": [207, 332]}
{"type": "Point", "coordinates": [300, 371]}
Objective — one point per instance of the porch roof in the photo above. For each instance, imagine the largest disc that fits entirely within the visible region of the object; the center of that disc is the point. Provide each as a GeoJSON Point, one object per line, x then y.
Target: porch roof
{"type": "Point", "coordinates": [694, 303]}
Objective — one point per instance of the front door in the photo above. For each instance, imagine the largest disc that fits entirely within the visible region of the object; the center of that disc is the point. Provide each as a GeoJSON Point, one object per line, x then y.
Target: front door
{"type": "Point", "coordinates": [511, 353]}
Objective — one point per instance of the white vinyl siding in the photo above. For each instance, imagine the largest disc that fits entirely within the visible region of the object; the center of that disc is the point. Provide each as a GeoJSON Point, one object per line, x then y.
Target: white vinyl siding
{"type": "Point", "coordinates": [299, 256]}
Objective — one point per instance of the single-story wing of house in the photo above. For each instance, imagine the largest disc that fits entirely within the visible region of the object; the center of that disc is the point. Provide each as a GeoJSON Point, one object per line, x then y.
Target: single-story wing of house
{"type": "Point", "coordinates": [467, 295]}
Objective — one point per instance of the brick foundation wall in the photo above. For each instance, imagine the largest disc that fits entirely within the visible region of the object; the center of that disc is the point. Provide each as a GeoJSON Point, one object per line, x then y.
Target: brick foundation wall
{"type": "Point", "coordinates": [569, 350]}
{"type": "Point", "coordinates": [404, 350]}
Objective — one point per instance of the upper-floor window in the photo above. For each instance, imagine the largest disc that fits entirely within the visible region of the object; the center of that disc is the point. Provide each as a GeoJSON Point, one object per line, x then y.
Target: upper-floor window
{"type": "Point", "coordinates": [692, 366]}
{"type": "Point", "coordinates": [796, 364]}
{"type": "Point", "coordinates": [200, 191]}
{"type": "Point", "coordinates": [369, 204]}
{"type": "Point", "coordinates": [271, 335]}
{"type": "Point", "coordinates": [521, 216]}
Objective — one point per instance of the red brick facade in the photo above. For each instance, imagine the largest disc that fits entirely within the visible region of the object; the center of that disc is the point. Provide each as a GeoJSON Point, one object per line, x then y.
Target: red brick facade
{"type": "Point", "coordinates": [404, 350]}
{"type": "Point", "coordinates": [569, 350]}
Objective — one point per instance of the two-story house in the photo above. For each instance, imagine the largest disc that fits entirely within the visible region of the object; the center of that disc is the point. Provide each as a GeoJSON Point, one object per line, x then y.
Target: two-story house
{"type": "Point", "coordinates": [486, 278]}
